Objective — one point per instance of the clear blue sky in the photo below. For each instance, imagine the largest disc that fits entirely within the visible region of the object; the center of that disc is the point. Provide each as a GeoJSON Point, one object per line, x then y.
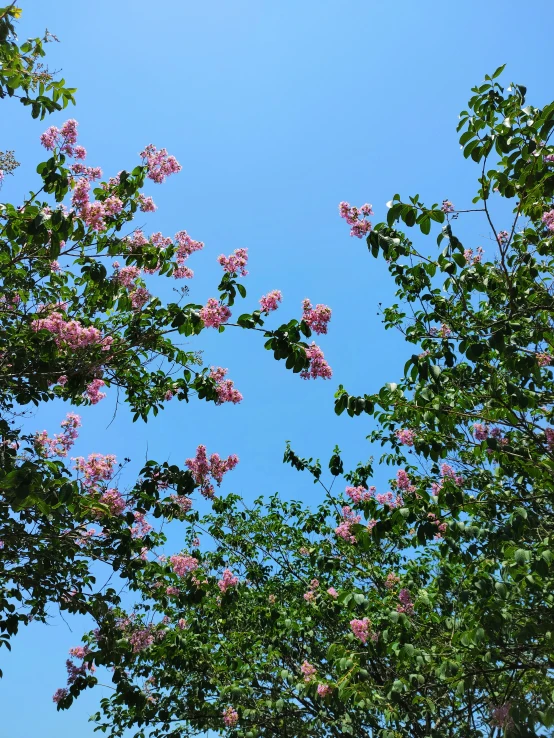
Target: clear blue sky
{"type": "Point", "coordinates": [277, 110]}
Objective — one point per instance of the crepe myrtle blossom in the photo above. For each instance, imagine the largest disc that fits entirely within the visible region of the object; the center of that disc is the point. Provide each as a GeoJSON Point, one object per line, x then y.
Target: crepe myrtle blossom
{"type": "Point", "coordinates": [230, 717]}
{"type": "Point", "coordinates": [183, 564]}
{"type": "Point", "coordinates": [235, 263]}
{"type": "Point", "coordinates": [317, 318]}
{"type": "Point", "coordinates": [228, 581]}
{"type": "Point", "coordinates": [447, 206]}
{"type": "Point", "coordinates": [159, 163]}
{"type": "Point", "coordinates": [226, 392]}
{"type": "Point", "coordinates": [215, 467]}
{"type": "Point", "coordinates": [214, 313]}
{"type": "Point", "coordinates": [406, 436]}
{"type": "Point", "coordinates": [308, 671]}
{"type": "Point", "coordinates": [318, 366]}
{"type": "Point", "coordinates": [270, 302]}
{"type": "Point", "coordinates": [361, 629]}
{"type": "Point", "coordinates": [357, 218]}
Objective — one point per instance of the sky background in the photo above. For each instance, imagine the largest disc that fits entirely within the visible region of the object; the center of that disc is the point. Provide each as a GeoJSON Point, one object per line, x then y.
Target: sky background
{"type": "Point", "coordinates": [277, 110]}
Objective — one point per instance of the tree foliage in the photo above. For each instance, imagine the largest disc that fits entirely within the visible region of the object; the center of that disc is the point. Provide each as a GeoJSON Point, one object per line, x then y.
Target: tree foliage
{"type": "Point", "coordinates": [426, 610]}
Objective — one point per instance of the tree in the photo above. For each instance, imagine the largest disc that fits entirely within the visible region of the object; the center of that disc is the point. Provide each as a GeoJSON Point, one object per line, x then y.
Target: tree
{"type": "Point", "coordinates": [426, 610]}
{"type": "Point", "coordinates": [74, 321]}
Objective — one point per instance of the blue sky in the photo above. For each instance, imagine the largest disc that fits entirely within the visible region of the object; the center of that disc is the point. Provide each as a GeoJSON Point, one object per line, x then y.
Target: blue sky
{"type": "Point", "coordinates": [276, 111]}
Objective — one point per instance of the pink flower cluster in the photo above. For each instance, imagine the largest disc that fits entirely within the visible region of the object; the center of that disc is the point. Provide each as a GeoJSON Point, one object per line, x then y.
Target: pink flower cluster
{"type": "Point", "coordinates": [406, 605]}
{"type": "Point", "coordinates": [97, 468]}
{"type": "Point", "coordinates": [141, 527]}
{"type": "Point", "coordinates": [544, 359]}
{"type": "Point", "coordinates": [183, 565]}
{"type": "Point", "coordinates": [324, 689]}
{"type": "Point", "coordinates": [309, 596]}
{"type": "Point", "coordinates": [185, 247]}
{"type": "Point", "coordinates": [447, 206]}
{"type": "Point", "coordinates": [214, 313]}
{"type": "Point", "coordinates": [94, 214]}
{"type": "Point", "coordinates": [127, 276]}
{"type": "Point", "coordinates": [361, 629]}
{"type": "Point", "coordinates": [59, 695]}
{"type": "Point", "coordinates": [360, 494]}
{"type": "Point", "coordinates": [471, 258]}
{"type": "Point", "coordinates": [65, 137]}
{"type": "Point", "coordinates": [146, 204]}
{"type": "Point", "coordinates": [235, 263]}
{"type": "Point", "coordinates": [308, 671]}
{"type": "Point", "coordinates": [225, 389]}
{"type": "Point", "coordinates": [71, 333]}
{"type": "Point", "coordinates": [92, 392]}
{"type": "Point", "coordinates": [216, 467]}
{"type": "Point", "coordinates": [159, 163]}
{"type": "Point", "coordinates": [549, 433]}
{"type": "Point", "coordinates": [139, 298]}
{"type": "Point", "coordinates": [318, 366]}
{"type": "Point", "coordinates": [440, 525]}
{"type": "Point", "coordinates": [114, 501]}
{"type": "Point", "coordinates": [270, 302]}
{"type": "Point", "coordinates": [230, 717]}
{"type": "Point", "coordinates": [317, 318]}
{"type": "Point", "coordinates": [391, 581]}
{"type": "Point", "coordinates": [406, 436]}
{"type": "Point", "coordinates": [62, 442]}
{"type": "Point", "coordinates": [141, 639]}
{"type": "Point", "coordinates": [227, 581]}
{"type": "Point", "coordinates": [332, 592]}
{"type": "Point", "coordinates": [500, 716]}
{"type": "Point", "coordinates": [357, 218]}
{"type": "Point", "coordinates": [503, 237]}
{"type": "Point", "coordinates": [404, 483]}
{"type": "Point", "coordinates": [348, 520]}
{"type": "Point", "coordinates": [184, 503]}
{"type": "Point", "coordinates": [548, 220]}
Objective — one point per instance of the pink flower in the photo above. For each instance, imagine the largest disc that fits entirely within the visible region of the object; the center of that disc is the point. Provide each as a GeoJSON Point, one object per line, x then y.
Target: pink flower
{"type": "Point", "coordinates": [356, 217]}
{"type": "Point", "coordinates": [62, 442]}
{"type": "Point", "coordinates": [139, 297]}
{"type": "Point", "coordinates": [269, 302]}
{"type": "Point", "coordinates": [324, 689]}
{"type": "Point", "coordinates": [500, 716]}
{"type": "Point", "coordinates": [225, 389]}
{"type": "Point", "coordinates": [333, 592]}
{"type": "Point", "coordinates": [214, 313]}
{"type": "Point", "coordinates": [230, 717]}
{"type": "Point", "coordinates": [403, 482]}
{"type": "Point", "coordinates": [358, 494]}
{"type": "Point", "coordinates": [227, 581]}
{"type": "Point", "coordinates": [318, 366]}
{"type": "Point", "coordinates": [348, 520]}
{"type": "Point", "coordinates": [95, 469]}
{"type": "Point", "coordinates": [361, 628]}
{"type": "Point", "coordinates": [406, 436]}
{"type": "Point", "coordinates": [62, 380]}
{"type": "Point", "coordinates": [49, 139]}
{"type": "Point", "coordinates": [185, 503]}
{"type": "Point", "coordinates": [181, 623]}
{"type": "Point", "coordinates": [183, 565]}
{"type": "Point", "coordinates": [159, 163]}
{"type": "Point", "coordinates": [308, 671]}
{"type": "Point", "coordinates": [141, 527]}
{"type": "Point", "coordinates": [548, 220]}
{"type": "Point", "coordinates": [447, 206]}
{"type": "Point", "coordinates": [235, 263]}
{"type": "Point", "coordinates": [544, 359]}
{"type": "Point", "coordinates": [114, 501]}
{"type": "Point", "coordinates": [79, 652]}
{"type": "Point", "coordinates": [503, 237]}
{"type": "Point", "coordinates": [406, 605]}
{"type": "Point", "coordinates": [146, 204]}
{"type": "Point", "coordinates": [216, 467]}
{"type": "Point", "coordinates": [55, 266]}
{"type": "Point", "coordinates": [59, 694]}
{"type": "Point", "coordinates": [141, 639]}
{"type": "Point", "coordinates": [317, 318]}
{"type": "Point", "coordinates": [127, 276]}
{"type": "Point", "coordinates": [92, 392]}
